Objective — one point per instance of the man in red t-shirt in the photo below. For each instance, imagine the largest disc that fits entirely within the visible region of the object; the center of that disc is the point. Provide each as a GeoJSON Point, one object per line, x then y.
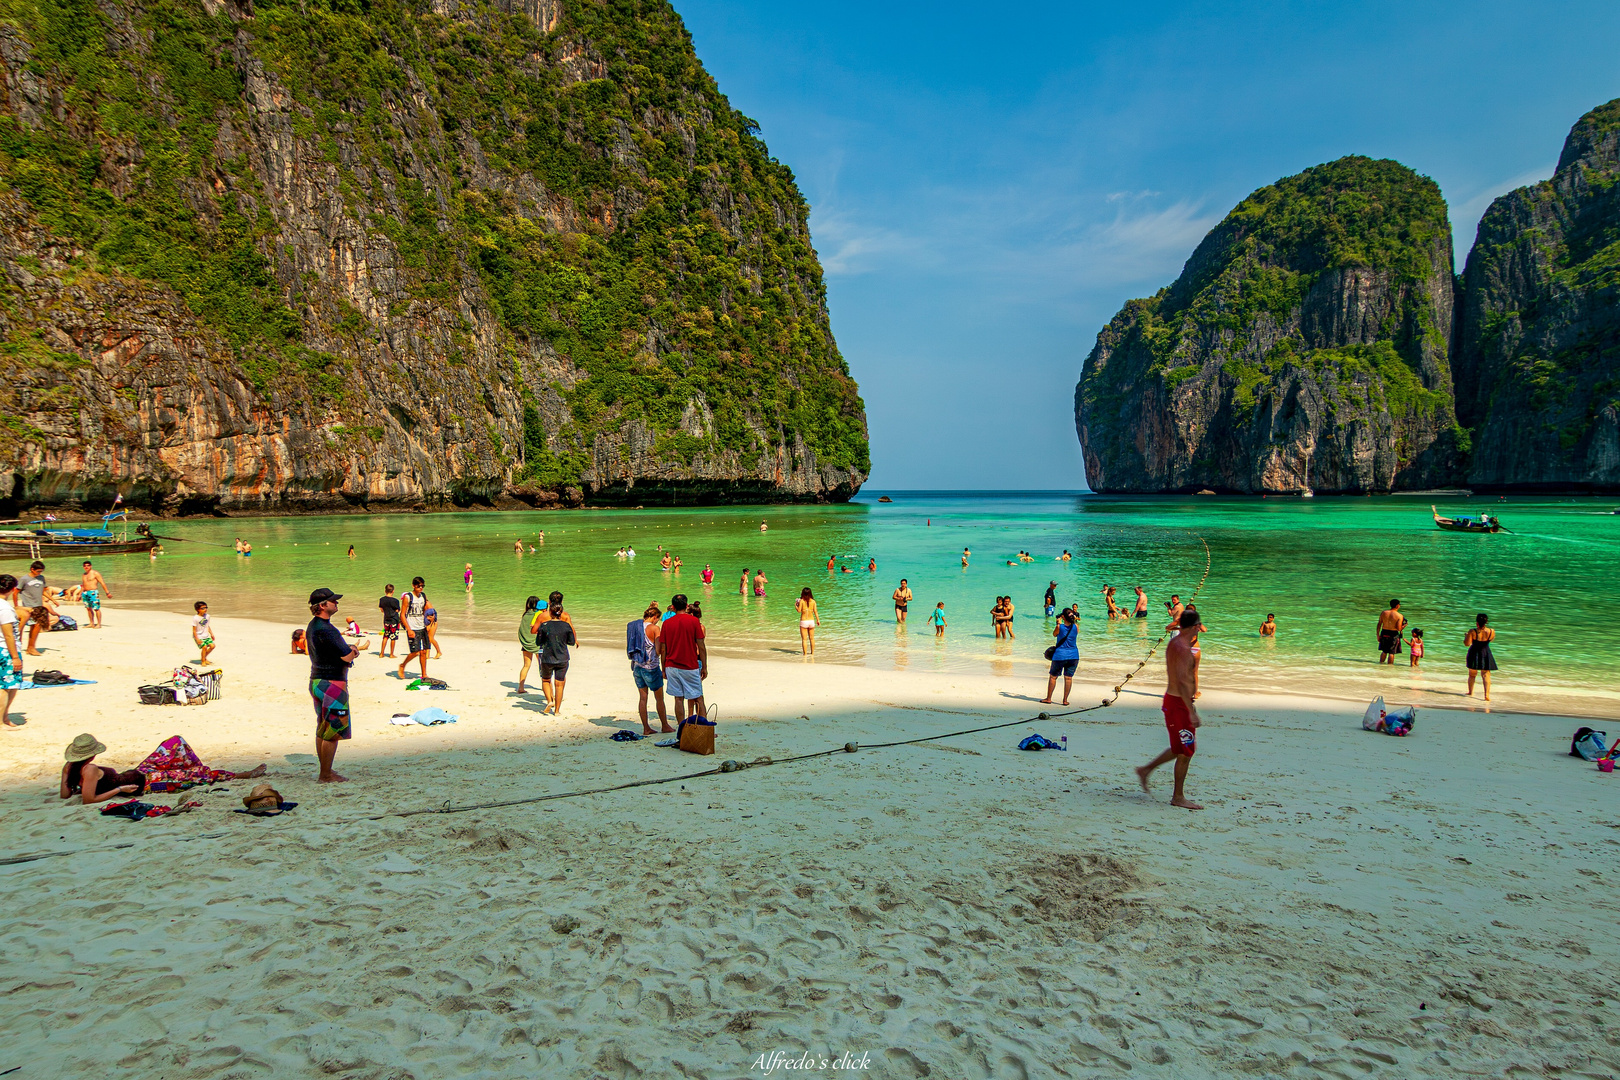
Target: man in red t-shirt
{"type": "Point", "coordinates": [686, 658]}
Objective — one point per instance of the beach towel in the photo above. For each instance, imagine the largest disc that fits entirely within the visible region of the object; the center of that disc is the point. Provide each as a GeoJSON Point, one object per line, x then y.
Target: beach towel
{"type": "Point", "coordinates": [134, 810]}
{"type": "Point", "coordinates": [427, 717]}
{"type": "Point", "coordinates": [173, 766]}
{"type": "Point", "coordinates": [1038, 742]}
{"type": "Point", "coordinates": [30, 685]}
{"type": "Point", "coordinates": [266, 811]}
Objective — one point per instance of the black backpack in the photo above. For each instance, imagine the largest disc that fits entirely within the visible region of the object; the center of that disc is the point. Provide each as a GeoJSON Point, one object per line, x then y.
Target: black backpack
{"type": "Point", "coordinates": [51, 678]}
{"type": "Point", "coordinates": [158, 695]}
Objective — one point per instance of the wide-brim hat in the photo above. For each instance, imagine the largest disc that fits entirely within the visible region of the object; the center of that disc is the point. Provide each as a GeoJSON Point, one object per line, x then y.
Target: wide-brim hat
{"type": "Point", "coordinates": [263, 797]}
{"type": "Point", "coordinates": [84, 747]}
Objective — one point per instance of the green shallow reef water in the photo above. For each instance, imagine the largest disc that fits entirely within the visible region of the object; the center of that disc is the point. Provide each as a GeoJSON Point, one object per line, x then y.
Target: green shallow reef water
{"type": "Point", "coordinates": [1326, 567]}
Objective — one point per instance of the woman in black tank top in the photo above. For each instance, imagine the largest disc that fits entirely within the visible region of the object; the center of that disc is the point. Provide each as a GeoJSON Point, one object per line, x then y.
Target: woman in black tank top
{"type": "Point", "coordinates": [94, 783]}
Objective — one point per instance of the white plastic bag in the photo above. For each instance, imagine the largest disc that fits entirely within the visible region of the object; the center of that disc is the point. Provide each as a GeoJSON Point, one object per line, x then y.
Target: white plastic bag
{"type": "Point", "coordinates": [1373, 718]}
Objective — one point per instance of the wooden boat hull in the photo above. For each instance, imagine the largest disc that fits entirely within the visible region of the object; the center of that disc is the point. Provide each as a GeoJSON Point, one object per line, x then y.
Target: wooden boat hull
{"type": "Point", "coordinates": [22, 548]}
{"type": "Point", "coordinates": [1453, 525]}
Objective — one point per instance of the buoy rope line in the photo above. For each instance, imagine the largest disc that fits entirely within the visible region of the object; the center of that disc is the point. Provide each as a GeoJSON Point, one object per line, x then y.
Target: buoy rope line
{"type": "Point", "coordinates": [847, 748]}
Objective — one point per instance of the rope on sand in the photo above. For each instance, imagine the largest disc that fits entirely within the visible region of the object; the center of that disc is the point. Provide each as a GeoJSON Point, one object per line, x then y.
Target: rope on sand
{"type": "Point", "coordinates": [725, 766]}
{"type": "Point", "coordinates": [847, 748]}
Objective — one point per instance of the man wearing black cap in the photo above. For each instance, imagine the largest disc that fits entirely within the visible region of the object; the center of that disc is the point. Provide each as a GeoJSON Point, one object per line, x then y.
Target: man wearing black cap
{"type": "Point", "coordinates": [330, 655]}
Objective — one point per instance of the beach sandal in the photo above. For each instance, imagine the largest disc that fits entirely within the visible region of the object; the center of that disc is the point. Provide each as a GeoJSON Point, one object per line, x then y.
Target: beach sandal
{"type": "Point", "coordinates": [673, 740]}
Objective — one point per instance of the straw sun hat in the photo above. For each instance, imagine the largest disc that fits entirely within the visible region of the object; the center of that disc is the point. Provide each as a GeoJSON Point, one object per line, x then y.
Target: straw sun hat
{"type": "Point", "coordinates": [84, 748]}
{"type": "Point", "coordinates": [263, 797]}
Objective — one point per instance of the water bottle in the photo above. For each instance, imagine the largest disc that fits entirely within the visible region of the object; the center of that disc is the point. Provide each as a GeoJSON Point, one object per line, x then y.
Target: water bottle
{"type": "Point", "coordinates": [1065, 742]}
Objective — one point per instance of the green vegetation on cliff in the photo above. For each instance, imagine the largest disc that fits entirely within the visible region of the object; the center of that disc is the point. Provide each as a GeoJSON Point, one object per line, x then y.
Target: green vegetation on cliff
{"type": "Point", "coordinates": [600, 195]}
{"type": "Point", "coordinates": [1538, 358]}
{"type": "Point", "coordinates": [1356, 213]}
{"type": "Point", "coordinates": [1315, 314]}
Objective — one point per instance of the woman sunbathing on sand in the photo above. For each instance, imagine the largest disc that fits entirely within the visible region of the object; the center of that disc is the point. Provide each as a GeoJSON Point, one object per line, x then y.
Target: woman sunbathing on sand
{"type": "Point", "coordinates": [171, 767]}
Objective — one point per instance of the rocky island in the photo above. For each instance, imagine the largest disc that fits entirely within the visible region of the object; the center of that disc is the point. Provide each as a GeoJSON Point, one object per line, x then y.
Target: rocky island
{"type": "Point", "coordinates": [275, 257]}
{"type": "Point", "coordinates": [1318, 339]}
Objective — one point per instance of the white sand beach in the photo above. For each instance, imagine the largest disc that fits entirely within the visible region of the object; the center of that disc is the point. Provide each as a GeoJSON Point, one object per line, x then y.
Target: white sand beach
{"type": "Point", "coordinates": [1349, 905]}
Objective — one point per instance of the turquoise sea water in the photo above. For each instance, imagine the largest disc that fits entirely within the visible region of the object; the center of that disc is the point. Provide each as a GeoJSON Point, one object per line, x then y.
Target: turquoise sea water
{"type": "Point", "coordinates": [1326, 567]}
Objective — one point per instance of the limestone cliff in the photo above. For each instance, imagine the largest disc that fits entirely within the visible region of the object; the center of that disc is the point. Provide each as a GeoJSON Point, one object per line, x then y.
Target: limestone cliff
{"type": "Point", "coordinates": [1303, 346]}
{"type": "Point", "coordinates": [323, 253]}
{"type": "Point", "coordinates": [1537, 363]}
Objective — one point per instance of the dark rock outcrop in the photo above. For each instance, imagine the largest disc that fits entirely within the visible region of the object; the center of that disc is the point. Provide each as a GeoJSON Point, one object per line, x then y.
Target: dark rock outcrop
{"type": "Point", "coordinates": [322, 255]}
{"type": "Point", "coordinates": [1537, 364]}
{"type": "Point", "coordinates": [1303, 347]}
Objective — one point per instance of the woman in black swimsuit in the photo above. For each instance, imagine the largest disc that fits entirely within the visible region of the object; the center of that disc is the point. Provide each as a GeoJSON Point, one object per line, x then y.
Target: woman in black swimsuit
{"type": "Point", "coordinates": [1480, 660]}
{"type": "Point", "coordinates": [95, 783]}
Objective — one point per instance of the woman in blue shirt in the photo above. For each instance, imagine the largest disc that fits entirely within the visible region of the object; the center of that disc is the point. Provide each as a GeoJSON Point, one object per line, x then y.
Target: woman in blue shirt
{"type": "Point", "coordinates": [1065, 657]}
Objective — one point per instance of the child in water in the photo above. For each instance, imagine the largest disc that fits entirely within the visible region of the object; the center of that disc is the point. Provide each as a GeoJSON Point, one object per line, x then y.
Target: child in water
{"type": "Point", "coordinates": [938, 619]}
{"type": "Point", "coordinates": [1416, 644]}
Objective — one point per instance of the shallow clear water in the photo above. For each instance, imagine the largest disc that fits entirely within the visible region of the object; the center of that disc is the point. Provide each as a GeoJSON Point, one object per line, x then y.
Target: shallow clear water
{"type": "Point", "coordinates": [1326, 567]}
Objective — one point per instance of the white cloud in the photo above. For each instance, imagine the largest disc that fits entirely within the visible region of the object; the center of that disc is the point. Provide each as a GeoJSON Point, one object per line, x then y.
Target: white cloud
{"type": "Point", "coordinates": [1465, 215]}
{"type": "Point", "coordinates": [848, 247]}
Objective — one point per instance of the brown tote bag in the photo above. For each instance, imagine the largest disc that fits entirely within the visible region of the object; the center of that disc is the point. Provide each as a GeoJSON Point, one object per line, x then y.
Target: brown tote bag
{"type": "Point", "coordinates": [697, 737]}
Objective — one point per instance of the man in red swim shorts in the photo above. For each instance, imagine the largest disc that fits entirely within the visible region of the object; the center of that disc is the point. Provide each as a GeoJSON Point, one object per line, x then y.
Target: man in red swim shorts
{"type": "Point", "coordinates": [1180, 714]}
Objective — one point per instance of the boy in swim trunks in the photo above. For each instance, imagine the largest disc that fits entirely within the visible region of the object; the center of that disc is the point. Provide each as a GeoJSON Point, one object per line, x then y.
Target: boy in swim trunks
{"type": "Point", "coordinates": [1181, 718]}
{"type": "Point", "coordinates": [91, 586]}
{"type": "Point", "coordinates": [202, 631]}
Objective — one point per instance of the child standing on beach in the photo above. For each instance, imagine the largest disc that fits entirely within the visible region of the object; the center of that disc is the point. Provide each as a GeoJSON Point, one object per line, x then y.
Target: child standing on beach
{"type": "Point", "coordinates": [466, 576]}
{"type": "Point", "coordinates": [202, 631]}
{"type": "Point", "coordinates": [938, 619]}
{"type": "Point", "coordinates": [1416, 646]}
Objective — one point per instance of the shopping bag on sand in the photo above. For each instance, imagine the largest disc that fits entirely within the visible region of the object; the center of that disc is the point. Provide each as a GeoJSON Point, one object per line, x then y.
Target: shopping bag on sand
{"type": "Point", "coordinates": [697, 736]}
{"type": "Point", "coordinates": [1373, 718]}
{"type": "Point", "coordinates": [1400, 721]}
{"type": "Point", "coordinates": [1586, 744]}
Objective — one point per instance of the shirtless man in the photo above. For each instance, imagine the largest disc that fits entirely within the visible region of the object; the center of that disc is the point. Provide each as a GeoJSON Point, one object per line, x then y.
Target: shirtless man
{"type": "Point", "coordinates": [965, 554]}
{"type": "Point", "coordinates": [1141, 604]}
{"type": "Point", "coordinates": [1175, 614]}
{"type": "Point", "coordinates": [1390, 624]}
{"type": "Point", "coordinates": [92, 587]}
{"type": "Point", "coordinates": [1180, 714]}
{"type": "Point", "coordinates": [902, 597]}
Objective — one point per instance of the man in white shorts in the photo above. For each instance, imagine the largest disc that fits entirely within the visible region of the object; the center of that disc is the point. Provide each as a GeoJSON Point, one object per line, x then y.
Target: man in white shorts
{"type": "Point", "coordinates": [686, 659]}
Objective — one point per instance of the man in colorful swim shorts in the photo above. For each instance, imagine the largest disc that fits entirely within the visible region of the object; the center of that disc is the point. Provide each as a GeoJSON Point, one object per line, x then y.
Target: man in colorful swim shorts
{"type": "Point", "coordinates": [91, 587]}
{"type": "Point", "coordinates": [330, 657]}
{"type": "Point", "coordinates": [1180, 714]}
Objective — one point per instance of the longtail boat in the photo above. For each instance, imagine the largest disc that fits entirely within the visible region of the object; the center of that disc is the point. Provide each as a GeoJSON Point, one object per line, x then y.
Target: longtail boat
{"type": "Point", "coordinates": [1482, 524]}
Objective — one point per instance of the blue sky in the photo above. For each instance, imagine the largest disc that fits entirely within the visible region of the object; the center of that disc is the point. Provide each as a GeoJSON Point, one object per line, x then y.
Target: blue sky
{"type": "Point", "coordinates": [988, 189]}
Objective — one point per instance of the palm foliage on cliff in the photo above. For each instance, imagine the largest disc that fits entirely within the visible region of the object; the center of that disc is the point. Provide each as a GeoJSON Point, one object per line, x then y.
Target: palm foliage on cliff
{"type": "Point", "coordinates": [584, 179]}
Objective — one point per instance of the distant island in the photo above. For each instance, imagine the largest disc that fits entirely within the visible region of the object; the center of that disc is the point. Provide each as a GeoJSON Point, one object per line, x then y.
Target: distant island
{"type": "Point", "coordinates": [270, 257]}
{"type": "Point", "coordinates": [1318, 340]}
